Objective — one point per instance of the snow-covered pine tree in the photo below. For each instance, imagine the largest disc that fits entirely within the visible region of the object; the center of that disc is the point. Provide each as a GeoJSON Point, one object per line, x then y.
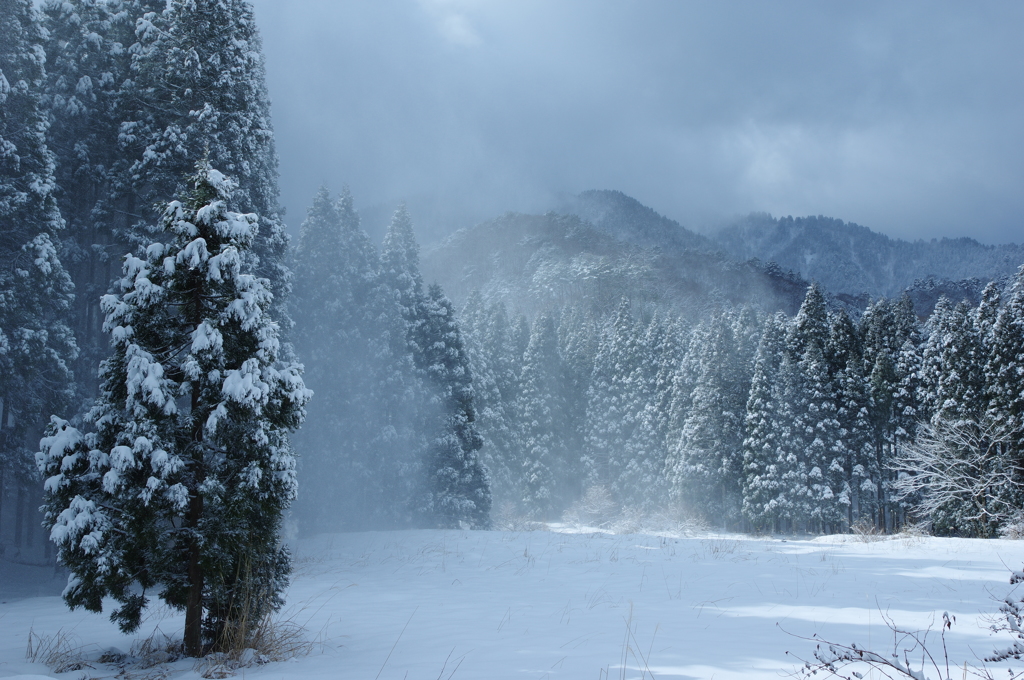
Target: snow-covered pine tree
{"type": "Point", "coordinates": [907, 406]}
{"type": "Point", "coordinates": [825, 452]}
{"type": "Point", "coordinates": [683, 383]}
{"type": "Point", "coordinates": [495, 383]}
{"type": "Point", "coordinates": [87, 95]}
{"type": "Point", "coordinates": [183, 483]}
{"type": "Point", "coordinates": [811, 323]}
{"type": "Point", "coordinates": [762, 472]}
{"type": "Point", "coordinates": [844, 355]}
{"type": "Point", "coordinates": [882, 385]}
{"type": "Point", "coordinates": [643, 482]}
{"type": "Point", "coordinates": [458, 487]}
{"type": "Point", "coordinates": [401, 443]}
{"type": "Point", "coordinates": [931, 353]}
{"type": "Point", "coordinates": [987, 312]}
{"type": "Point", "coordinates": [36, 344]}
{"type": "Point", "coordinates": [1004, 381]}
{"type": "Point", "coordinates": [199, 92]}
{"type": "Point", "coordinates": [810, 332]}
{"type": "Point", "coordinates": [609, 399]}
{"type": "Point", "coordinates": [955, 395]}
{"type": "Point", "coordinates": [957, 387]}
{"type": "Point", "coordinates": [792, 506]}
{"type": "Point", "coordinates": [886, 327]}
{"type": "Point", "coordinates": [541, 414]}
{"type": "Point", "coordinates": [400, 266]}
{"type": "Point", "coordinates": [441, 449]}
{"type": "Point", "coordinates": [638, 459]}
{"type": "Point", "coordinates": [577, 341]}
{"type": "Point", "coordinates": [708, 467]}
{"type": "Point", "coordinates": [333, 307]}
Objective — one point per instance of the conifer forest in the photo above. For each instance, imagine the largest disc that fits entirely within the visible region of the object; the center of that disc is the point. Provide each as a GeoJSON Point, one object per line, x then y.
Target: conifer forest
{"type": "Point", "coordinates": [188, 382]}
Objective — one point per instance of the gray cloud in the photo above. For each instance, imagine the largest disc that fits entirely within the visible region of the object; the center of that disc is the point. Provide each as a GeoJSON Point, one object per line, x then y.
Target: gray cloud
{"type": "Point", "coordinates": [904, 117]}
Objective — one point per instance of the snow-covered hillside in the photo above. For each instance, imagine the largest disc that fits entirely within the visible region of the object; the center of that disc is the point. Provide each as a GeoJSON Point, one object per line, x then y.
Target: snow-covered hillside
{"type": "Point", "coordinates": [579, 604]}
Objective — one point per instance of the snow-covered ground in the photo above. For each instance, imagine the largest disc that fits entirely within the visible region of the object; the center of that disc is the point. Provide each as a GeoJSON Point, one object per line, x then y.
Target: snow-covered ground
{"type": "Point", "coordinates": [564, 604]}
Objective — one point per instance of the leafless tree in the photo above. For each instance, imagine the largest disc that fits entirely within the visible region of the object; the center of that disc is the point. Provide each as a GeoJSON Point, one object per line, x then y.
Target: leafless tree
{"type": "Point", "coordinates": [963, 465]}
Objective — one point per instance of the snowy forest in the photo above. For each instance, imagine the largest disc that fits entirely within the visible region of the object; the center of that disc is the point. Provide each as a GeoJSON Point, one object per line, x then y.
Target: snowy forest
{"type": "Point", "coordinates": [182, 383]}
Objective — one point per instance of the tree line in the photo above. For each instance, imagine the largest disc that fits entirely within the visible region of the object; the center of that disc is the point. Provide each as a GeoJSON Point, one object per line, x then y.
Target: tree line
{"type": "Point", "coordinates": [817, 422]}
{"type": "Point", "coordinates": [761, 422]}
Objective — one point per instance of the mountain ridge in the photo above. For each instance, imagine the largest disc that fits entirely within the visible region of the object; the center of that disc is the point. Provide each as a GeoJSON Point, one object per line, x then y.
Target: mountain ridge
{"type": "Point", "coordinates": [846, 257]}
{"type": "Point", "coordinates": [601, 245]}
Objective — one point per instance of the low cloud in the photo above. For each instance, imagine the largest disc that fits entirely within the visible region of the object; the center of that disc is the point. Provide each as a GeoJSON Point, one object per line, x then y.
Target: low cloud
{"type": "Point", "coordinates": [904, 118]}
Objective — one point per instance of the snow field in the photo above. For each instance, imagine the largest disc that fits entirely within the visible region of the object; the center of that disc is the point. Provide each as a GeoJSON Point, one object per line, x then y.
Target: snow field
{"type": "Point", "coordinates": [572, 604]}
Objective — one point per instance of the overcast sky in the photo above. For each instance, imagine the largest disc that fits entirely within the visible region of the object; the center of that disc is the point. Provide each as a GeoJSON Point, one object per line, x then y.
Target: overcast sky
{"type": "Point", "coordinates": [905, 117]}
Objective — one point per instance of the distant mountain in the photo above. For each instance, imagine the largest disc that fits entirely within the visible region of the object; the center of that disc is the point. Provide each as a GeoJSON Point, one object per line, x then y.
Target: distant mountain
{"type": "Point", "coordinates": [540, 262]}
{"type": "Point", "coordinates": [602, 245]}
{"type": "Point", "coordinates": [626, 219]}
{"type": "Point", "coordinates": [847, 258]}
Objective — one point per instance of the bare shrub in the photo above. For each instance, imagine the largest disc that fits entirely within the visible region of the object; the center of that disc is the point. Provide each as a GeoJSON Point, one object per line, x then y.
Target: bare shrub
{"type": "Point", "coordinates": [596, 508]}
{"type": "Point", "coordinates": [848, 661]}
{"type": "Point", "coordinates": [866, 530]}
{"type": "Point", "coordinates": [913, 534]}
{"type": "Point", "coordinates": [158, 648]}
{"type": "Point", "coordinates": [716, 548]}
{"type": "Point", "coordinates": [1013, 529]}
{"type": "Point", "coordinates": [915, 655]}
{"type": "Point", "coordinates": [60, 652]}
{"type": "Point", "coordinates": [246, 644]}
{"type": "Point", "coordinates": [630, 521]}
{"type": "Point", "coordinates": [507, 516]}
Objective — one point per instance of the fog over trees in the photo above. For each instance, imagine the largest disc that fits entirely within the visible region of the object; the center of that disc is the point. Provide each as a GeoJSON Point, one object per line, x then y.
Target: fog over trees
{"type": "Point", "coordinates": [182, 385]}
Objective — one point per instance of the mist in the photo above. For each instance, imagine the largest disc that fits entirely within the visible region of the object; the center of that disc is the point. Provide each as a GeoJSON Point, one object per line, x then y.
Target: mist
{"type": "Point", "coordinates": [903, 118]}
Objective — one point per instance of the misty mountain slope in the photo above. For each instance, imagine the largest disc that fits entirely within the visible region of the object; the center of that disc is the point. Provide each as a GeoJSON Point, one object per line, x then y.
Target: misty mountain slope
{"type": "Point", "coordinates": [848, 258]}
{"type": "Point", "coordinates": [627, 219]}
{"type": "Point", "coordinates": [544, 262]}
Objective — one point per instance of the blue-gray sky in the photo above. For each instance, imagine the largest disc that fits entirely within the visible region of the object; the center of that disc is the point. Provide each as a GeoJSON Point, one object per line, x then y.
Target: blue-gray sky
{"type": "Point", "coordinates": [906, 117]}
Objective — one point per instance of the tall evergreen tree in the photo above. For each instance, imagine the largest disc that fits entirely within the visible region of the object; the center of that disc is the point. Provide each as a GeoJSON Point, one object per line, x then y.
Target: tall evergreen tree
{"type": "Point", "coordinates": [183, 483]}
{"type": "Point", "coordinates": [882, 384]}
{"type": "Point", "coordinates": [496, 385]}
{"type": "Point", "coordinates": [439, 455]}
{"type": "Point", "coordinates": [886, 328]}
{"type": "Point", "coordinates": [458, 486]}
{"type": "Point", "coordinates": [643, 482]}
{"type": "Point", "coordinates": [609, 399]}
{"type": "Point", "coordinates": [577, 340]}
{"type": "Point", "coordinates": [762, 471]}
{"type": "Point", "coordinates": [36, 344]}
{"type": "Point", "coordinates": [811, 324]}
{"type": "Point", "coordinates": [1004, 375]}
{"type": "Point", "coordinates": [199, 92]}
{"type": "Point", "coordinates": [825, 452]}
{"type": "Point", "coordinates": [844, 356]}
{"type": "Point", "coordinates": [709, 464]}
{"type": "Point", "coordinates": [542, 423]}
{"type": "Point", "coordinates": [87, 96]}
{"type": "Point", "coordinates": [333, 303]}
{"type": "Point", "coordinates": [987, 312]}
{"type": "Point", "coordinates": [400, 264]}
{"type": "Point", "coordinates": [953, 355]}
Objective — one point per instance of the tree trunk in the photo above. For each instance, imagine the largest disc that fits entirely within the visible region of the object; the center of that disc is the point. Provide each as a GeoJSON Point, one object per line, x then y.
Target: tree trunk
{"type": "Point", "coordinates": [19, 518]}
{"type": "Point", "coordinates": [3, 492]}
{"type": "Point", "coordinates": [194, 606]}
{"type": "Point", "coordinates": [31, 525]}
